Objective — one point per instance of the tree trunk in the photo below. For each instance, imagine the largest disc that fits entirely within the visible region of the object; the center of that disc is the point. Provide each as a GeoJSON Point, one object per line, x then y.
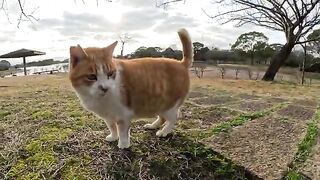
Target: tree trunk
{"type": "Point", "coordinates": [304, 62]}
{"type": "Point", "coordinates": [277, 61]}
{"type": "Point", "coordinates": [252, 59]}
{"type": "Point", "coordinates": [122, 47]}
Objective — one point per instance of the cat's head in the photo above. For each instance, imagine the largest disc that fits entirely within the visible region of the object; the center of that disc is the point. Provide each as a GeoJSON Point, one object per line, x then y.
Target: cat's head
{"type": "Point", "coordinates": [92, 70]}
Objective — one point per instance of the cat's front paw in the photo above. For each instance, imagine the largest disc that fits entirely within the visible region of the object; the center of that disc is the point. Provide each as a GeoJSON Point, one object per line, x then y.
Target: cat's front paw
{"type": "Point", "coordinates": [161, 133]}
{"type": "Point", "coordinates": [149, 126]}
{"type": "Point", "coordinates": [124, 144]}
{"type": "Point", "coordinates": [111, 138]}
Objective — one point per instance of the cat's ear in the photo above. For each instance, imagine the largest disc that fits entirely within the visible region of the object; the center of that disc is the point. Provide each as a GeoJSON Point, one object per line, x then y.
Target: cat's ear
{"type": "Point", "coordinates": [108, 51]}
{"type": "Point", "coordinates": [76, 55]}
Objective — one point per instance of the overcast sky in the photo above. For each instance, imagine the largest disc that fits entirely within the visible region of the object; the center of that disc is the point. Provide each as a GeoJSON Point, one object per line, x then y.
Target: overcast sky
{"type": "Point", "coordinates": [64, 23]}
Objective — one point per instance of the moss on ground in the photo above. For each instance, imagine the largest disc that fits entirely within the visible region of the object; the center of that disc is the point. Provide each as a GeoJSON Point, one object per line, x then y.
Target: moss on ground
{"type": "Point", "coordinates": [4, 114]}
{"type": "Point", "coordinates": [42, 114]}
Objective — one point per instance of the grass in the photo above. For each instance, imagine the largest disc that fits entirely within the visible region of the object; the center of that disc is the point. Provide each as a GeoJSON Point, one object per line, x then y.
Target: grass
{"type": "Point", "coordinates": [45, 133]}
{"type": "Point", "coordinates": [4, 113]}
{"type": "Point", "coordinates": [243, 118]}
{"type": "Point", "coordinates": [304, 148]}
{"type": "Point", "coordinates": [224, 127]}
{"type": "Point", "coordinates": [57, 139]}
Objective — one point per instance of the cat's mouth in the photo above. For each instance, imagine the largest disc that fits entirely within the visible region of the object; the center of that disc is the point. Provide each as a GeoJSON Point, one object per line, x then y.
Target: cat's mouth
{"type": "Point", "coordinates": [103, 94]}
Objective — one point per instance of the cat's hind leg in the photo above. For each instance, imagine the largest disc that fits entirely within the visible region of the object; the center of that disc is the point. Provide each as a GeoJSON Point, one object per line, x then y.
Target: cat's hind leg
{"type": "Point", "coordinates": [156, 124]}
{"type": "Point", "coordinates": [171, 118]}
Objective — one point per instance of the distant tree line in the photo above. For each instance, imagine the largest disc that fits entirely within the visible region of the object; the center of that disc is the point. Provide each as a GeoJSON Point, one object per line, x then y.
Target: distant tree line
{"type": "Point", "coordinates": [45, 62]}
{"type": "Point", "coordinates": [201, 53]}
{"type": "Point", "coordinates": [250, 48]}
{"type": "Point", "coordinates": [155, 52]}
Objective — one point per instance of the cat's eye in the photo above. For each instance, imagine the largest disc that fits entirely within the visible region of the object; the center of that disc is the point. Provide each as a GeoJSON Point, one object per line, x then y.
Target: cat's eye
{"type": "Point", "coordinates": [92, 77]}
{"type": "Point", "coordinates": [110, 74]}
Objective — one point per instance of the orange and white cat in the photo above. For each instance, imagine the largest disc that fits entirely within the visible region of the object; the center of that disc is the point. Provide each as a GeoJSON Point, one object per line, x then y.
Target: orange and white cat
{"type": "Point", "coordinates": [119, 90]}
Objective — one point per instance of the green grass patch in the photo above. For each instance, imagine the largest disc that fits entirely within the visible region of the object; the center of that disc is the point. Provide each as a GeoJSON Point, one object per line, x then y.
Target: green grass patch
{"type": "Point", "coordinates": [42, 114]}
{"type": "Point", "coordinates": [42, 160]}
{"type": "Point", "coordinates": [4, 114]}
{"type": "Point", "coordinates": [228, 125]}
{"type": "Point", "coordinates": [75, 168]}
{"type": "Point", "coordinates": [51, 134]}
{"type": "Point", "coordinates": [292, 175]}
{"type": "Point", "coordinates": [241, 119]}
{"type": "Point", "coordinates": [17, 169]}
{"type": "Point", "coordinates": [76, 113]}
{"type": "Point", "coordinates": [304, 147]}
{"type": "Point", "coordinates": [39, 154]}
{"type": "Point", "coordinates": [237, 121]}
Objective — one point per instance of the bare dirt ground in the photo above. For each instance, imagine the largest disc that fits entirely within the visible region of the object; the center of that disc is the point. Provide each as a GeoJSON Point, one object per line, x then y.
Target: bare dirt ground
{"type": "Point", "coordinates": [229, 129]}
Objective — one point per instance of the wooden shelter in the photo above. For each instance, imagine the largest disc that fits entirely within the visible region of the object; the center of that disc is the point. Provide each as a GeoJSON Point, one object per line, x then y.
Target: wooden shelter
{"type": "Point", "coordinates": [22, 53]}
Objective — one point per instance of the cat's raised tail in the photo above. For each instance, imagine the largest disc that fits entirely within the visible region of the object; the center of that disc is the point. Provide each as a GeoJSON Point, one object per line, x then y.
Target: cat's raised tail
{"type": "Point", "coordinates": [187, 47]}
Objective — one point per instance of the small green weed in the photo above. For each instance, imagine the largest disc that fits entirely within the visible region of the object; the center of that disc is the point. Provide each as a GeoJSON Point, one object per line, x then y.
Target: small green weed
{"type": "Point", "coordinates": [44, 114]}
{"type": "Point", "coordinates": [237, 121]}
{"type": "Point", "coordinates": [304, 148]}
{"type": "Point", "coordinates": [241, 119]}
{"type": "Point", "coordinates": [4, 114]}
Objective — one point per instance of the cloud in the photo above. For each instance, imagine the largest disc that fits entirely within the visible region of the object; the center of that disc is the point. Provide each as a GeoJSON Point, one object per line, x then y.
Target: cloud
{"type": "Point", "coordinates": [173, 23]}
{"type": "Point", "coordinates": [138, 3]}
{"type": "Point", "coordinates": [75, 24]}
{"type": "Point", "coordinates": [90, 24]}
{"type": "Point", "coordinates": [85, 24]}
{"type": "Point", "coordinates": [229, 34]}
{"type": "Point", "coordinates": [6, 36]}
{"type": "Point", "coordinates": [140, 19]}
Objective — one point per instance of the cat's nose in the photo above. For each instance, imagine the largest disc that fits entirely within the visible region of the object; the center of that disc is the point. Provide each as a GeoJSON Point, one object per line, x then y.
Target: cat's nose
{"type": "Point", "coordinates": [102, 88]}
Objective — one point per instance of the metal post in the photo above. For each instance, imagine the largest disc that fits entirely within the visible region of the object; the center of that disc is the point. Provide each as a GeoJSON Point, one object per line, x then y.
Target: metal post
{"type": "Point", "coordinates": [304, 46]}
{"type": "Point", "coordinates": [304, 62]}
{"type": "Point", "coordinates": [24, 66]}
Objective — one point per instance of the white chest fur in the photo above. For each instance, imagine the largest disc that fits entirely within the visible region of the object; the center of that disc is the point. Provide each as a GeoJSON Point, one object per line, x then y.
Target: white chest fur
{"type": "Point", "coordinates": [106, 107]}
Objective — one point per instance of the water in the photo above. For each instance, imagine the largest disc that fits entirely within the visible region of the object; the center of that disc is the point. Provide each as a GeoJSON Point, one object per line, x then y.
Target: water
{"type": "Point", "coordinates": [61, 67]}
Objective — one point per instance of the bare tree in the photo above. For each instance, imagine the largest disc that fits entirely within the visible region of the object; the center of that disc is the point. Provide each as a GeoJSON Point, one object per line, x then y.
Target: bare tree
{"type": "Point", "coordinates": [250, 73]}
{"type": "Point", "coordinates": [124, 38]}
{"type": "Point", "coordinates": [199, 69]}
{"type": "Point", "coordinates": [237, 71]}
{"type": "Point", "coordinates": [23, 14]}
{"type": "Point", "coordinates": [222, 71]}
{"type": "Point", "coordinates": [257, 75]}
{"type": "Point", "coordinates": [296, 18]}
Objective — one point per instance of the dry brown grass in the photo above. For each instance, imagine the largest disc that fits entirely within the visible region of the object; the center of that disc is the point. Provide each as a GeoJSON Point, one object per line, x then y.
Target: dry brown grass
{"type": "Point", "coordinates": [45, 133]}
{"type": "Point", "coordinates": [260, 87]}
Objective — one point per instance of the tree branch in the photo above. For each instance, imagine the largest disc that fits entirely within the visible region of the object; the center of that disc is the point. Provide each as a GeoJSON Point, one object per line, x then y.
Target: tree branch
{"type": "Point", "coordinates": [309, 40]}
{"type": "Point", "coordinates": [292, 17]}
{"type": "Point", "coordinates": [23, 15]}
{"type": "Point", "coordinates": [29, 17]}
{"type": "Point", "coordinates": [165, 3]}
